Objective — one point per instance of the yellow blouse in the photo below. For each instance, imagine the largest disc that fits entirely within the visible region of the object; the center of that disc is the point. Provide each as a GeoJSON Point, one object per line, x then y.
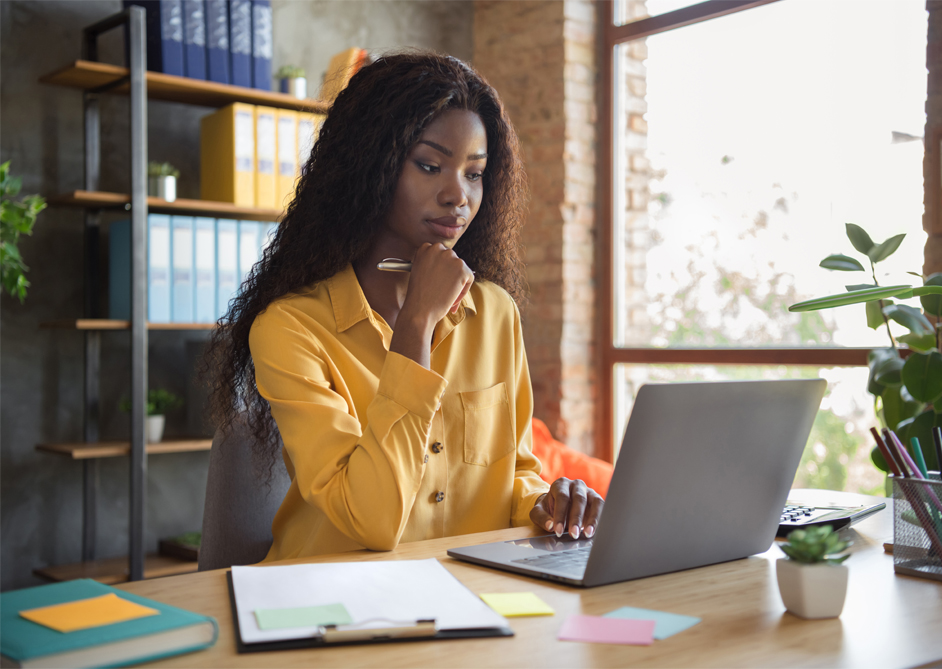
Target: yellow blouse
{"type": "Point", "coordinates": [381, 450]}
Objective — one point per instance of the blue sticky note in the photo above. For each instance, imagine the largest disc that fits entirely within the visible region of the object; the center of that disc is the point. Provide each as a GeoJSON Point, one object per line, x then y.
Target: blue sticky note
{"type": "Point", "coordinates": [666, 624]}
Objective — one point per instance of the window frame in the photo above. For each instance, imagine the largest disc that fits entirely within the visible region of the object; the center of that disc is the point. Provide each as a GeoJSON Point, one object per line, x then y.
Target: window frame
{"type": "Point", "coordinates": [609, 355]}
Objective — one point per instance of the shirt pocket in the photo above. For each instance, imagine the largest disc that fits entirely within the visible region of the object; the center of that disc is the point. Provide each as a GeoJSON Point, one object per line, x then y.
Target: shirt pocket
{"type": "Point", "coordinates": [488, 429]}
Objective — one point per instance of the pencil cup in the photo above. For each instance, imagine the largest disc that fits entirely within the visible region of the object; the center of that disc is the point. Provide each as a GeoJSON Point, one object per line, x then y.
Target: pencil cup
{"type": "Point", "coordinates": [917, 526]}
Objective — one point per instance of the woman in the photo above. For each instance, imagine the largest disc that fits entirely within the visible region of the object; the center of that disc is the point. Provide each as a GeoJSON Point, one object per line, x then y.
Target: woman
{"type": "Point", "coordinates": [402, 399]}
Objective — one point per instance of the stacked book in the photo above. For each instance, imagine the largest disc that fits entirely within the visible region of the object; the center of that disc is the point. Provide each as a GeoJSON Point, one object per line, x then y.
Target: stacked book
{"type": "Point", "coordinates": [226, 41]}
{"type": "Point", "coordinates": [195, 266]}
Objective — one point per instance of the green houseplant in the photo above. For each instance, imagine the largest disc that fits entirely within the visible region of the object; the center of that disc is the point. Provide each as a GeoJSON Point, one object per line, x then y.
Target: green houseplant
{"type": "Point", "coordinates": [17, 217]}
{"type": "Point", "coordinates": [811, 578]}
{"type": "Point", "coordinates": [292, 80]}
{"type": "Point", "coordinates": [159, 402]}
{"type": "Point", "coordinates": [162, 180]}
{"type": "Point", "coordinates": [907, 389]}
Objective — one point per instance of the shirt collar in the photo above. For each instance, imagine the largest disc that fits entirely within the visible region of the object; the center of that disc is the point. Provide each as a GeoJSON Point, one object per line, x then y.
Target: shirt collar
{"type": "Point", "coordinates": [350, 305]}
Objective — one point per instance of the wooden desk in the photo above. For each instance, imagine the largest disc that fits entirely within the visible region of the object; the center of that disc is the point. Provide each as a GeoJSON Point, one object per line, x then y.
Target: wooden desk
{"type": "Point", "coordinates": [888, 620]}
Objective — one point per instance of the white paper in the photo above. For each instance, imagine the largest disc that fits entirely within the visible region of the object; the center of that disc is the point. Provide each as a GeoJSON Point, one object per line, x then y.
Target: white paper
{"type": "Point", "coordinates": [398, 591]}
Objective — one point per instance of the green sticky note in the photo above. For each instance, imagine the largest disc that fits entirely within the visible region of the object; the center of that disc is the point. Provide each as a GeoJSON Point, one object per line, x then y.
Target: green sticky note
{"type": "Point", "coordinates": [514, 604]}
{"type": "Point", "coordinates": [305, 616]}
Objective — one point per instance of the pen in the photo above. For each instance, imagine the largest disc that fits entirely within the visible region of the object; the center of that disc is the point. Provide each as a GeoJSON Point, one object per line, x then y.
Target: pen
{"type": "Point", "coordinates": [919, 457]}
{"type": "Point", "coordinates": [900, 462]}
{"type": "Point", "coordinates": [887, 454]}
{"type": "Point", "coordinates": [916, 473]}
{"type": "Point", "coordinates": [394, 265]}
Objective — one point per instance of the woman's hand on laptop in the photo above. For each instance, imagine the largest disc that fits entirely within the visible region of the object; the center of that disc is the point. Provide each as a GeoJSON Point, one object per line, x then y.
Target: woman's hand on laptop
{"type": "Point", "coordinates": [568, 505]}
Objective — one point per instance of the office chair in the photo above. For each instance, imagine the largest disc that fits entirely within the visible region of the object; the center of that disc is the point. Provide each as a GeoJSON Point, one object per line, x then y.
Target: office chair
{"type": "Point", "coordinates": [239, 506]}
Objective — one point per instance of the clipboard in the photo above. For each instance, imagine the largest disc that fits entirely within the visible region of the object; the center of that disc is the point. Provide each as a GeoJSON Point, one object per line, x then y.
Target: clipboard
{"type": "Point", "coordinates": [422, 630]}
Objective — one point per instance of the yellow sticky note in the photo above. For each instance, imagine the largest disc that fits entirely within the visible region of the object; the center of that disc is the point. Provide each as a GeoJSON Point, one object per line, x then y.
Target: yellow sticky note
{"type": "Point", "coordinates": [86, 613]}
{"type": "Point", "coordinates": [514, 604]}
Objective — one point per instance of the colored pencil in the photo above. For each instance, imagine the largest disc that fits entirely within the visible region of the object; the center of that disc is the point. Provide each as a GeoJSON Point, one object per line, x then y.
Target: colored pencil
{"type": "Point", "coordinates": [887, 455]}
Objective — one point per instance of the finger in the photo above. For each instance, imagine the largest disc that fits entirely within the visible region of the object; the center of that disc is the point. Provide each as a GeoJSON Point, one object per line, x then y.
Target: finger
{"type": "Point", "coordinates": [464, 291]}
{"type": "Point", "coordinates": [541, 515]}
{"type": "Point", "coordinates": [560, 493]}
{"type": "Point", "coordinates": [578, 497]}
{"type": "Point", "coordinates": [593, 512]}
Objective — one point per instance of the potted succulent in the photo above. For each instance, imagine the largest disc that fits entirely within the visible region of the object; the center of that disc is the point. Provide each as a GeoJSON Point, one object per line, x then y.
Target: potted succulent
{"type": "Point", "coordinates": [17, 217]}
{"type": "Point", "coordinates": [159, 402]}
{"type": "Point", "coordinates": [292, 80]}
{"type": "Point", "coordinates": [811, 579]}
{"type": "Point", "coordinates": [907, 384]}
{"type": "Point", "coordinates": [162, 181]}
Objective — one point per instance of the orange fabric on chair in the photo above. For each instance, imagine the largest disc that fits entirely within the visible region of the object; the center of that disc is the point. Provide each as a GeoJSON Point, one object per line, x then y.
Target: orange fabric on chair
{"type": "Point", "coordinates": [560, 460]}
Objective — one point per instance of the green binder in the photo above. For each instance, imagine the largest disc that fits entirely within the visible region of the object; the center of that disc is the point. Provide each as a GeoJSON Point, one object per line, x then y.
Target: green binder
{"type": "Point", "coordinates": [24, 643]}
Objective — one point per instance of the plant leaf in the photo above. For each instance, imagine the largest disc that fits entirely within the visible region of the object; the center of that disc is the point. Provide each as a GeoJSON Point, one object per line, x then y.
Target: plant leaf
{"type": "Point", "coordinates": [876, 457]}
{"type": "Point", "coordinates": [910, 318]}
{"type": "Point", "coordinates": [889, 373]}
{"type": "Point", "coordinates": [932, 303]}
{"type": "Point", "coordinates": [922, 375]}
{"type": "Point", "coordinates": [875, 313]}
{"type": "Point", "coordinates": [898, 406]}
{"type": "Point", "coordinates": [916, 342]}
{"type": "Point", "coordinates": [859, 238]}
{"type": "Point", "coordinates": [861, 286]}
{"type": "Point", "coordinates": [875, 358]}
{"type": "Point", "coordinates": [842, 263]}
{"type": "Point", "coordinates": [886, 249]}
{"type": "Point", "coordinates": [852, 297]}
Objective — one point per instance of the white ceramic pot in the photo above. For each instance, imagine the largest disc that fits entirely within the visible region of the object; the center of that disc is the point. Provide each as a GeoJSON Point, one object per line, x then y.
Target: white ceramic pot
{"type": "Point", "coordinates": [812, 590]}
{"type": "Point", "coordinates": [294, 86]}
{"type": "Point", "coordinates": [162, 187]}
{"type": "Point", "coordinates": [155, 429]}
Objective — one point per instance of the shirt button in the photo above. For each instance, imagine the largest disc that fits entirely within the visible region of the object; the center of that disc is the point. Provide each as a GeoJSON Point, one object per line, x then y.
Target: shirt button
{"type": "Point", "coordinates": [437, 447]}
{"type": "Point", "coordinates": [440, 497]}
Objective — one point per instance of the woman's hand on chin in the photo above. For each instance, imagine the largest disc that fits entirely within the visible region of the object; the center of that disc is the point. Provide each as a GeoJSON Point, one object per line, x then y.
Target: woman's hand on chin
{"type": "Point", "coordinates": [568, 506]}
{"type": "Point", "coordinates": [438, 282]}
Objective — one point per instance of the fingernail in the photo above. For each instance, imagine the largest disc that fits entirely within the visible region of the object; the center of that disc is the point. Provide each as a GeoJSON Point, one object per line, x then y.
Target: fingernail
{"type": "Point", "coordinates": [574, 531]}
{"type": "Point", "coordinates": [559, 529]}
{"type": "Point", "coordinates": [549, 525]}
{"type": "Point", "coordinates": [590, 530]}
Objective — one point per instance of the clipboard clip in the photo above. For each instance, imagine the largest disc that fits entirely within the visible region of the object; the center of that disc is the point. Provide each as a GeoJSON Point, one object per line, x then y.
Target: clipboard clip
{"type": "Point", "coordinates": [402, 630]}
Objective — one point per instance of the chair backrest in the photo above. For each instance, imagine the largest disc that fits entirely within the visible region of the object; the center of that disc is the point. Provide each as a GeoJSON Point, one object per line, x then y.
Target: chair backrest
{"type": "Point", "coordinates": [239, 506]}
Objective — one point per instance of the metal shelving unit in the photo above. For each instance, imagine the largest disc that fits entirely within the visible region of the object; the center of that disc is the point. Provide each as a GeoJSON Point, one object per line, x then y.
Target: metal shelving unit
{"type": "Point", "coordinates": [95, 79]}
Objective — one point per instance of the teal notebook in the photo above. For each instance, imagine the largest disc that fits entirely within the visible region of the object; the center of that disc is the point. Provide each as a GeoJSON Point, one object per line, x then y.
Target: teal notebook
{"type": "Point", "coordinates": [24, 643]}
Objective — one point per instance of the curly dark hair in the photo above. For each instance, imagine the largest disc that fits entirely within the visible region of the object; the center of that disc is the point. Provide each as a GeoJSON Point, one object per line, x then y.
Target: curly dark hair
{"type": "Point", "coordinates": [341, 203]}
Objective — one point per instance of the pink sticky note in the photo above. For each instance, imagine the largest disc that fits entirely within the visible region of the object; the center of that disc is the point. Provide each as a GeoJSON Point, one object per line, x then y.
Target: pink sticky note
{"type": "Point", "coordinates": [595, 629]}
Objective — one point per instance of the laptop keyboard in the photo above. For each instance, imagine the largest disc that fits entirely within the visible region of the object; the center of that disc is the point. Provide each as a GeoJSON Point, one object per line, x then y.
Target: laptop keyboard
{"type": "Point", "coordinates": [569, 562]}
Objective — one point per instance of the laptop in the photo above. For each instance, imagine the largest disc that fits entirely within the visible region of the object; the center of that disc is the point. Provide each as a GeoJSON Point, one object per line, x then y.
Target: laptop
{"type": "Point", "coordinates": [702, 477]}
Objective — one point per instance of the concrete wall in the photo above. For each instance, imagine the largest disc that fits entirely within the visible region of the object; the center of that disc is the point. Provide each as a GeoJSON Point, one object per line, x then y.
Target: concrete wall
{"type": "Point", "coordinates": [41, 371]}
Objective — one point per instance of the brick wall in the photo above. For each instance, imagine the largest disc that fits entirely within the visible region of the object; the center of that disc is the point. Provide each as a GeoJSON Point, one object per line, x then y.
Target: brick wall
{"type": "Point", "coordinates": [932, 168]}
{"type": "Point", "coordinates": [541, 57]}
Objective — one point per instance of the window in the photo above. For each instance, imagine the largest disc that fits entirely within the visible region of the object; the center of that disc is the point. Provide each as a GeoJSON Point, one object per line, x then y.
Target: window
{"type": "Point", "coordinates": [740, 147]}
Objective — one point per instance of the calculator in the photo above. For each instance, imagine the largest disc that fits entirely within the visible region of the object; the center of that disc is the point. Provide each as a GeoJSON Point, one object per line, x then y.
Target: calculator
{"type": "Point", "coordinates": [797, 516]}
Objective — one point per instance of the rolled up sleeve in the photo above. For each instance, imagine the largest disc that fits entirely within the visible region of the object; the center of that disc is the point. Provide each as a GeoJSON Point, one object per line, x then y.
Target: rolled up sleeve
{"type": "Point", "coordinates": [363, 476]}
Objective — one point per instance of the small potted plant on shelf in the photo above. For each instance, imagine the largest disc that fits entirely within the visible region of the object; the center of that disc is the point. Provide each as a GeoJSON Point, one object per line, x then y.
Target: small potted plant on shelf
{"type": "Point", "coordinates": [811, 579]}
{"type": "Point", "coordinates": [162, 181]}
{"type": "Point", "coordinates": [159, 402]}
{"type": "Point", "coordinates": [292, 80]}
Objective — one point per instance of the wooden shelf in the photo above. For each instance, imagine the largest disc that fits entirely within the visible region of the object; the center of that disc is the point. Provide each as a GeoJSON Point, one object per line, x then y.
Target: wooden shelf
{"type": "Point", "coordinates": [103, 200]}
{"type": "Point", "coordinates": [113, 449]}
{"type": "Point", "coordinates": [115, 570]}
{"type": "Point", "coordinates": [89, 76]}
{"type": "Point", "coordinates": [107, 324]}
